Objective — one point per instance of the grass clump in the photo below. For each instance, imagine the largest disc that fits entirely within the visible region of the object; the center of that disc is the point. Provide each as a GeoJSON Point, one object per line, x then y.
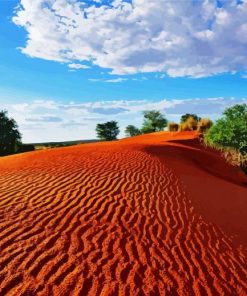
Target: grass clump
{"type": "Point", "coordinates": [190, 124]}
{"type": "Point", "coordinates": [173, 127]}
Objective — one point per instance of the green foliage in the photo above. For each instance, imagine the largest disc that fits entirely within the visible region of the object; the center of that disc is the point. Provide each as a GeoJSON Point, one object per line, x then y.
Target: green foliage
{"type": "Point", "coordinates": [230, 130]}
{"type": "Point", "coordinates": [132, 131]}
{"type": "Point", "coordinates": [107, 131]}
{"type": "Point", "coordinates": [154, 121]}
{"type": "Point", "coordinates": [186, 116]}
{"type": "Point", "coordinates": [10, 137]}
{"type": "Point", "coordinates": [173, 127]}
{"type": "Point", "coordinates": [25, 148]}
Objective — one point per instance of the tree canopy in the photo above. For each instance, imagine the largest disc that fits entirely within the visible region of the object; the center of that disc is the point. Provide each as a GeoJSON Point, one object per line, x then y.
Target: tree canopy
{"type": "Point", "coordinates": [230, 130]}
{"type": "Point", "coordinates": [10, 136]}
{"type": "Point", "coordinates": [186, 116]}
{"type": "Point", "coordinates": [107, 131]}
{"type": "Point", "coordinates": [154, 121]}
{"type": "Point", "coordinates": [131, 131]}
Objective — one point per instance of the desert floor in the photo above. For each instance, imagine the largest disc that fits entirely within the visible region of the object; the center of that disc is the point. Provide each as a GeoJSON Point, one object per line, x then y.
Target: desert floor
{"type": "Point", "coordinates": [151, 215]}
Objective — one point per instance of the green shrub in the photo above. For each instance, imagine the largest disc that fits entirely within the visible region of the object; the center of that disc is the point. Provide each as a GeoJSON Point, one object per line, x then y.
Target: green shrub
{"type": "Point", "coordinates": [132, 131]}
{"type": "Point", "coordinates": [230, 130]}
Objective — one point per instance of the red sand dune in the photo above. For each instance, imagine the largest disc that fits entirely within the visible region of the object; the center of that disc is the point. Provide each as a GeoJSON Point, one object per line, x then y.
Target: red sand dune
{"type": "Point", "coordinates": [151, 215]}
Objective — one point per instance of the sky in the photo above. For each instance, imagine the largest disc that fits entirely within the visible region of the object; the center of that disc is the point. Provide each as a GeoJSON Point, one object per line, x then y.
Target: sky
{"type": "Point", "coordinates": [66, 65]}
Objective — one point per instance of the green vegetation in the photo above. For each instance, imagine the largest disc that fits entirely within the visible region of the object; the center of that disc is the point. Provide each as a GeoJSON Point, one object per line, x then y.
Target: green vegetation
{"type": "Point", "coordinates": [10, 137]}
{"type": "Point", "coordinates": [131, 131]}
{"type": "Point", "coordinates": [188, 115]}
{"type": "Point", "coordinates": [230, 131]}
{"type": "Point", "coordinates": [107, 131]}
{"type": "Point", "coordinates": [229, 134]}
{"type": "Point", "coordinates": [154, 121]}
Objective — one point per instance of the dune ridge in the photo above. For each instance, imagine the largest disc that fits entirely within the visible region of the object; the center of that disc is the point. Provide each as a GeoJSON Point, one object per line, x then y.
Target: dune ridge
{"type": "Point", "coordinates": [114, 219]}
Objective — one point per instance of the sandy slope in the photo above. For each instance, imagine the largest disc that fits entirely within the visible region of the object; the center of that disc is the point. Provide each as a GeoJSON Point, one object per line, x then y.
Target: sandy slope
{"type": "Point", "coordinates": [152, 215]}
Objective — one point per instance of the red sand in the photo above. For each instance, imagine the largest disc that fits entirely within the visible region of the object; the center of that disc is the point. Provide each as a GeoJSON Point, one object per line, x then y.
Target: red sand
{"type": "Point", "coordinates": [150, 215]}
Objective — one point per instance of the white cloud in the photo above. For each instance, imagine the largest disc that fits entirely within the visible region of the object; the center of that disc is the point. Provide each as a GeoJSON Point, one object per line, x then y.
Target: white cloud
{"type": "Point", "coordinates": [180, 38]}
{"type": "Point", "coordinates": [78, 66]}
{"type": "Point", "coordinates": [48, 120]}
{"type": "Point", "coordinates": [116, 80]}
{"type": "Point", "coordinates": [113, 80]}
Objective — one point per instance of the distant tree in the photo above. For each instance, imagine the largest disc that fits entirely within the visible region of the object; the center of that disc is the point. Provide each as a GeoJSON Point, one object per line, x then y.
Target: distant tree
{"type": "Point", "coordinates": [107, 131]}
{"type": "Point", "coordinates": [132, 131]}
{"type": "Point", "coordinates": [154, 121]}
{"type": "Point", "coordinates": [187, 115]}
{"type": "Point", "coordinates": [230, 130]}
{"type": "Point", "coordinates": [10, 136]}
{"type": "Point", "coordinates": [173, 127]}
{"type": "Point", "coordinates": [190, 124]}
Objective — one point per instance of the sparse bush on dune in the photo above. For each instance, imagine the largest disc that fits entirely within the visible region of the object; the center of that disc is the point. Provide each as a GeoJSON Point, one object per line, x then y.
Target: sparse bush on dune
{"type": "Point", "coordinates": [190, 124]}
{"type": "Point", "coordinates": [229, 134]}
{"type": "Point", "coordinates": [131, 131]}
{"type": "Point", "coordinates": [173, 127]}
{"type": "Point", "coordinates": [204, 124]}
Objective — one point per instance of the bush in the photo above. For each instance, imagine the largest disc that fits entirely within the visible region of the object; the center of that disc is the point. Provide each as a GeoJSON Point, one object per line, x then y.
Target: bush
{"type": "Point", "coordinates": [204, 124]}
{"type": "Point", "coordinates": [132, 131]}
{"type": "Point", "coordinates": [173, 127]}
{"type": "Point", "coordinates": [230, 131]}
{"type": "Point", "coordinates": [189, 125]}
{"type": "Point", "coordinates": [25, 148]}
{"type": "Point", "coordinates": [107, 131]}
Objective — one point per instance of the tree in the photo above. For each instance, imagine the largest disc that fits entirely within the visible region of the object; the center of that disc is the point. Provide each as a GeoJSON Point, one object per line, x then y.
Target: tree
{"type": "Point", "coordinates": [107, 131]}
{"type": "Point", "coordinates": [154, 121]}
{"type": "Point", "coordinates": [188, 115]}
{"type": "Point", "coordinates": [190, 124]}
{"type": "Point", "coordinates": [230, 130]}
{"type": "Point", "coordinates": [10, 137]}
{"type": "Point", "coordinates": [132, 131]}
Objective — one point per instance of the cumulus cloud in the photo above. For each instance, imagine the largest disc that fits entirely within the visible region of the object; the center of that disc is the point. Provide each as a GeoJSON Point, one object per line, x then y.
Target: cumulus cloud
{"type": "Point", "coordinates": [179, 38]}
{"type": "Point", "coordinates": [74, 121]}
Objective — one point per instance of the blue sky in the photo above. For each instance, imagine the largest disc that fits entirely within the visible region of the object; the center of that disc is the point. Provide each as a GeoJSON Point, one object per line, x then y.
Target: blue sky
{"type": "Point", "coordinates": [67, 65]}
